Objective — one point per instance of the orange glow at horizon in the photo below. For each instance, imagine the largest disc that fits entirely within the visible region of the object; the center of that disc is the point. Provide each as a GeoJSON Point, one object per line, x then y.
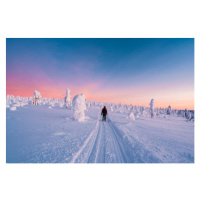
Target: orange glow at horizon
{"type": "Point", "coordinates": [177, 96]}
{"type": "Point", "coordinates": [138, 98]}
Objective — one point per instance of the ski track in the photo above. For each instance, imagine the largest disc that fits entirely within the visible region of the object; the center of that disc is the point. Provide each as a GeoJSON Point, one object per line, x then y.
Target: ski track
{"type": "Point", "coordinates": [89, 139]}
{"type": "Point", "coordinates": [107, 144]}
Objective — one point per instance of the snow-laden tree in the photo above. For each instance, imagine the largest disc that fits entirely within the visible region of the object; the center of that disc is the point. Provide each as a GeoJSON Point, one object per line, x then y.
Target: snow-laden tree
{"type": "Point", "coordinates": [152, 108]}
{"type": "Point", "coordinates": [83, 95]}
{"type": "Point", "coordinates": [157, 112]}
{"type": "Point", "coordinates": [188, 114]}
{"type": "Point", "coordinates": [7, 98]}
{"type": "Point", "coordinates": [111, 108]}
{"type": "Point", "coordinates": [137, 111]}
{"type": "Point", "coordinates": [8, 101]}
{"type": "Point", "coordinates": [68, 101]}
{"type": "Point", "coordinates": [161, 111]}
{"type": "Point", "coordinates": [131, 114]}
{"type": "Point", "coordinates": [79, 107]}
{"type": "Point", "coordinates": [169, 110]}
{"type": "Point", "coordinates": [142, 110]}
{"type": "Point", "coordinates": [181, 113]}
{"type": "Point", "coordinates": [36, 98]}
{"type": "Point", "coordinates": [136, 114]}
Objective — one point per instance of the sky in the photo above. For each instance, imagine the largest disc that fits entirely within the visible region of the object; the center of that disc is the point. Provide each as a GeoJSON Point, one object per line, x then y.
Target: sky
{"type": "Point", "coordinates": [127, 70]}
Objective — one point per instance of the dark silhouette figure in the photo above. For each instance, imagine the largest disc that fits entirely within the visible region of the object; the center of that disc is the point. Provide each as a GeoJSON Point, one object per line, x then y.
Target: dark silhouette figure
{"type": "Point", "coordinates": [104, 113]}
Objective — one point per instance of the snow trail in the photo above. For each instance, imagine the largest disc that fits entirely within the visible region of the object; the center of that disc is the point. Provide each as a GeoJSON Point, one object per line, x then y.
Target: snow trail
{"type": "Point", "coordinates": [92, 134]}
{"type": "Point", "coordinates": [105, 144]}
{"type": "Point", "coordinates": [118, 150]}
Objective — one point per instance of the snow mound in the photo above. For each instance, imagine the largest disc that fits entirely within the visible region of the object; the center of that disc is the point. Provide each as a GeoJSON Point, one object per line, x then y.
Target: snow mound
{"type": "Point", "coordinates": [16, 104]}
{"type": "Point", "coordinates": [59, 133]}
{"type": "Point", "coordinates": [131, 116]}
{"type": "Point", "coordinates": [79, 107]}
{"type": "Point", "coordinates": [13, 108]}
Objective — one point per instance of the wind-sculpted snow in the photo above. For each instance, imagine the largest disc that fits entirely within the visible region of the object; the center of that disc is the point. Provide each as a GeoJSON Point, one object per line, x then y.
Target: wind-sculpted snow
{"type": "Point", "coordinates": [37, 134]}
{"type": "Point", "coordinates": [68, 101]}
{"type": "Point", "coordinates": [37, 98]}
{"type": "Point", "coordinates": [152, 108]}
{"type": "Point", "coordinates": [79, 107]}
{"type": "Point", "coordinates": [131, 114]}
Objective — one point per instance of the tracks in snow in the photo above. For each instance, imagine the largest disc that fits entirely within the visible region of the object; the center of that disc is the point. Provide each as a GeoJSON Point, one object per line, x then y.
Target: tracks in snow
{"type": "Point", "coordinates": [107, 144]}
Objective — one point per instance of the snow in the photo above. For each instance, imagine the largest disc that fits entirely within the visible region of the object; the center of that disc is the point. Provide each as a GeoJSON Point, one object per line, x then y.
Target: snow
{"type": "Point", "coordinates": [13, 108]}
{"type": "Point", "coordinates": [152, 104]}
{"type": "Point", "coordinates": [16, 104]}
{"type": "Point", "coordinates": [68, 101]}
{"type": "Point", "coordinates": [79, 107]}
{"type": "Point", "coordinates": [152, 108]}
{"type": "Point", "coordinates": [37, 94]}
{"type": "Point", "coordinates": [37, 98]}
{"type": "Point", "coordinates": [37, 134]}
{"type": "Point", "coordinates": [131, 114]}
{"type": "Point", "coordinates": [169, 110]}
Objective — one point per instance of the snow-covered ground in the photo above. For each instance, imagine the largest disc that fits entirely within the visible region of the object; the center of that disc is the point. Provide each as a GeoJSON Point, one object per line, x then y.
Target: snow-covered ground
{"type": "Point", "coordinates": [47, 133]}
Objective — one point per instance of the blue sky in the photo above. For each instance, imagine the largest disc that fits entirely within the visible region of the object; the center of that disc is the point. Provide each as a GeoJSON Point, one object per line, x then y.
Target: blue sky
{"type": "Point", "coordinates": [114, 70]}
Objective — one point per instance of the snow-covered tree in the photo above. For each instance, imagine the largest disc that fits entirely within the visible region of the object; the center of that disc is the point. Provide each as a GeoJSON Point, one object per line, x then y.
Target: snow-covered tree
{"type": "Point", "coordinates": [142, 110]}
{"type": "Point", "coordinates": [161, 111]}
{"type": "Point", "coordinates": [169, 110]}
{"type": "Point", "coordinates": [152, 108]}
{"type": "Point", "coordinates": [188, 114]}
{"type": "Point", "coordinates": [7, 98]}
{"type": "Point", "coordinates": [111, 108]}
{"type": "Point", "coordinates": [131, 114]}
{"type": "Point", "coordinates": [157, 112]}
{"type": "Point", "coordinates": [68, 101]}
{"type": "Point", "coordinates": [79, 107]}
{"type": "Point", "coordinates": [8, 101]}
{"type": "Point", "coordinates": [36, 98]}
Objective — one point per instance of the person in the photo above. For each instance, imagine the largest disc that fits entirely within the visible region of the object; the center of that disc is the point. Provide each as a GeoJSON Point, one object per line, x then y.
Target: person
{"type": "Point", "coordinates": [104, 113]}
